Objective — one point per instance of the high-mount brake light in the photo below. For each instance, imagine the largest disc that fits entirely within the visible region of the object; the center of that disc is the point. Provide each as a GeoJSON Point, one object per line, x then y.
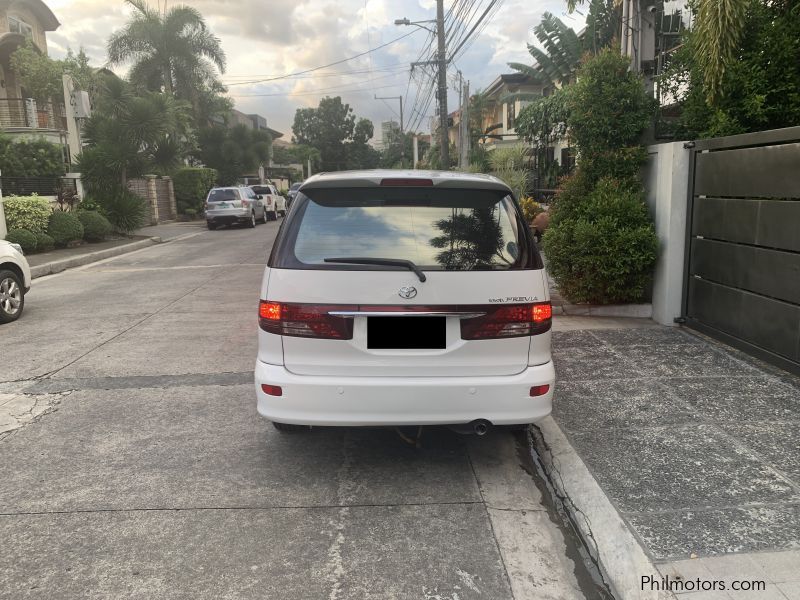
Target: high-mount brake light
{"type": "Point", "coordinates": [406, 182]}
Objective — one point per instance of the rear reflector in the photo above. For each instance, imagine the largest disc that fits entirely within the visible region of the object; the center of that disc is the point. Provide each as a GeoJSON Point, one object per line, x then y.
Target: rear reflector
{"type": "Point", "coordinates": [400, 182]}
{"type": "Point", "coordinates": [272, 390]}
{"type": "Point", "coordinates": [537, 390]}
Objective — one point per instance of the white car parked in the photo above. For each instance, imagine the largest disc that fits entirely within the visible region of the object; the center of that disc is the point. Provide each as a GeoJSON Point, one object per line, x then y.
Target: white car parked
{"type": "Point", "coordinates": [404, 298]}
{"type": "Point", "coordinates": [274, 203]}
{"type": "Point", "coordinates": [15, 281]}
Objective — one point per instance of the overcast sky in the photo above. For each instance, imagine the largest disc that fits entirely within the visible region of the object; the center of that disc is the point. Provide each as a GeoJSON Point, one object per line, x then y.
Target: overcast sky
{"type": "Point", "coordinates": [272, 38]}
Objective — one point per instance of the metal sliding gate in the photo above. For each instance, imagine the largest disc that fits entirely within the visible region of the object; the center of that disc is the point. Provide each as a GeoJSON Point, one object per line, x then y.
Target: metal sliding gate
{"type": "Point", "coordinates": [743, 254]}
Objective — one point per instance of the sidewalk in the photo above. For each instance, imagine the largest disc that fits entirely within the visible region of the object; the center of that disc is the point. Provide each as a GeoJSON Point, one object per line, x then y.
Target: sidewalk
{"type": "Point", "coordinates": [695, 448]}
{"type": "Point", "coordinates": [58, 260]}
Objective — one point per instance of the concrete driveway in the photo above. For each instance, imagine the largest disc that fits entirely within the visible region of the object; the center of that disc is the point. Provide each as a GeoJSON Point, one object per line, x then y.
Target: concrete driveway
{"type": "Point", "coordinates": [133, 463]}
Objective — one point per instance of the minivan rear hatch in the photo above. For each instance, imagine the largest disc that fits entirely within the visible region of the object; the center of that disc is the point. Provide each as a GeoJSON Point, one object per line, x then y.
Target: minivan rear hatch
{"type": "Point", "coordinates": [346, 292]}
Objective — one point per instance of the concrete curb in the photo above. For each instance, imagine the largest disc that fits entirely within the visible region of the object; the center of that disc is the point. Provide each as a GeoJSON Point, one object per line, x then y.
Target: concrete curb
{"type": "Point", "coordinates": [631, 311]}
{"type": "Point", "coordinates": [84, 259]}
{"type": "Point", "coordinates": [622, 559]}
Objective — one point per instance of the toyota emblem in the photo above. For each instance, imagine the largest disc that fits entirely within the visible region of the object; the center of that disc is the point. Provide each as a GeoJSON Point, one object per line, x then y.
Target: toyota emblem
{"type": "Point", "coordinates": [407, 292]}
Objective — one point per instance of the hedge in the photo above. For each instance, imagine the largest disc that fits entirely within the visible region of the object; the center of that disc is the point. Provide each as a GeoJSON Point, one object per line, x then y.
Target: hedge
{"type": "Point", "coordinates": [24, 238]}
{"type": "Point", "coordinates": [27, 212]}
{"type": "Point", "coordinates": [44, 242]}
{"type": "Point", "coordinates": [191, 186]}
{"type": "Point", "coordinates": [95, 226]}
{"type": "Point", "coordinates": [30, 158]}
{"type": "Point", "coordinates": [64, 227]}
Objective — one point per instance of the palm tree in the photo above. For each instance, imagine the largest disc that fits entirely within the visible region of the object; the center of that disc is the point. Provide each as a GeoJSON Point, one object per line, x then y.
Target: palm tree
{"type": "Point", "coordinates": [173, 51]}
{"type": "Point", "coordinates": [718, 28]}
{"type": "Point", "coordinates": [562, 52]}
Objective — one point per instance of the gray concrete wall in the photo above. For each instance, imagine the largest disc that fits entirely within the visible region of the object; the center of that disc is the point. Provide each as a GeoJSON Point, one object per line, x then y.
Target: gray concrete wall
{"type": "Point", "coordinates": [666, 179]}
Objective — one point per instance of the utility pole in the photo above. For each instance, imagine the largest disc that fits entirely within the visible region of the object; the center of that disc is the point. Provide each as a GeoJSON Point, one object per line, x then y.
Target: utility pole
{"type": "Point", "coordinates": [402, 128]}
{"type": "Point", "coordinates": [416, 152]}
{"type": "Point", "coordinates": [442, 59]}
{"type": "Point", "coordinates": [465, 132]}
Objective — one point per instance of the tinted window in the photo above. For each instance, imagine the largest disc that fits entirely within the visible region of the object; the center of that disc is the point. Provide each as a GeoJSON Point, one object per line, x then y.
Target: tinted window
{"type": "Point", "coordinates": [438, 229]}
{"type": "Point", "coordinates": [260, 189]}
{"type": "Point", "coordinates": [223, 195]}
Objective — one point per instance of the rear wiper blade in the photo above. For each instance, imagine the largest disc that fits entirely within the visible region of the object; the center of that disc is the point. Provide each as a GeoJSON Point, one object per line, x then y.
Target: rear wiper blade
{"type": "Point", "coordinates": [390, 262]}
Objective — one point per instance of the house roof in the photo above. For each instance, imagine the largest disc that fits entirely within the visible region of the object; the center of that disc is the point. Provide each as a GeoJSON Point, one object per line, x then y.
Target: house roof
{"type": "Point", "coordinates": [46, 17]}
{"type": "Point", "coordinates": [508, 79]}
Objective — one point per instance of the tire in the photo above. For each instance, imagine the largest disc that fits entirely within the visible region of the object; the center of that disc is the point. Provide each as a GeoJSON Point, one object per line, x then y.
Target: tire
{"type": "Point", "coordinates": [274, 215]}
{"type": "Point", "coordinates": [252, 222]}
{"type": "Point", "coordinates": [12, 296]}
{"type": "Point", "coordinates": [211, 225]}
{"type": "Point", "coordinates": [283, 213]}
{"type": "Point", "coordinates": [264, 217]}
{"type": "Point", "coordinates": [287, 428]}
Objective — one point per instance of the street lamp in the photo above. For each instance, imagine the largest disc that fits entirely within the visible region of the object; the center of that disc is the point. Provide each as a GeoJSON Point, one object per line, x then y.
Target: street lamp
{"type": "Point", "coordinates": [405, 21]}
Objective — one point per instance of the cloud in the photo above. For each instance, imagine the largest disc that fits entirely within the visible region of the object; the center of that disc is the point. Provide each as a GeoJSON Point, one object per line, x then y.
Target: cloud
{"type": "Point", "coordinates": [263, 40]}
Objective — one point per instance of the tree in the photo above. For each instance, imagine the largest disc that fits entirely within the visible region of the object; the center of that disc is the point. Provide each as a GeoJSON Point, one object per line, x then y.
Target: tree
{"type": "Point", "coordinates": [234, 152]}
{"type": "Point", "coordinates": [601, 245]}
{"type": "Point", "coordinates": [128, 135]}
{"type": "Point", "coordinates": [556, 62]}
{"type": "Point", "coordinates": [759, 90]}
{"type": "Point", "coordinates": [38, 74]}
{"type": "Point", "coordinates": [172, 51]}
{"type": "Point", "coordinates": [331, 128]}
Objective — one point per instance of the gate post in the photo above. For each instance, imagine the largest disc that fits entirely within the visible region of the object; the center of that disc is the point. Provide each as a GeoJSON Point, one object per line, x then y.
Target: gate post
{"type": "Point", "coordinates": [666, 181]}
{"type": "Point", "coordinates": [152, 197]}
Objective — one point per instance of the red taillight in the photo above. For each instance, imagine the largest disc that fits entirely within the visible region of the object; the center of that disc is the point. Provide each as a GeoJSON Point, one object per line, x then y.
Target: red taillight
{"type": "Point", "coordinates": [401, 182]}
{"type": "Point", "coordinates": [305, 320]}
{"type": "Point", "coordinates": [542, 312]}
{"type": "Point", "coordinates": [272, 390]}
{"type": "Point", "coordinates": [514, 320]}
{"type": "Point", "coordinates": [245, 204]}
{"type": "Point", "coordinates": [269, 310]}
{"type": "Point", "coordinates": [536, 390]}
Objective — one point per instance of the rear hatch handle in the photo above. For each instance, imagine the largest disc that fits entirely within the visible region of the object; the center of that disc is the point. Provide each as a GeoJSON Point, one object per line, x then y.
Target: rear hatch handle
{"type": "Point", "coordinates": [389, 262]}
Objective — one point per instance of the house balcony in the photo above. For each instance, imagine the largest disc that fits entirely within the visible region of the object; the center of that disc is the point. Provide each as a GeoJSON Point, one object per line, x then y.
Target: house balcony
{"type": "Point", "coordinates": [27, 116]}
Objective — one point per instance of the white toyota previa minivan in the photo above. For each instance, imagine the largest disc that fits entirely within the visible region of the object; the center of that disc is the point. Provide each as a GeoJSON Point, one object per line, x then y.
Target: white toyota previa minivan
{"type": "Point", "coordinates": [404, 298]}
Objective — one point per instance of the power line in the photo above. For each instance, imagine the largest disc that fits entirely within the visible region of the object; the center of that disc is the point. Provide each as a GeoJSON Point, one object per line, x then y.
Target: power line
{"type": "Point", "coordinates": [314, 92]}
{"type": "Point", "coordinates": [338, 62]}
{"type": "Point", "coordinates": [454, 53]}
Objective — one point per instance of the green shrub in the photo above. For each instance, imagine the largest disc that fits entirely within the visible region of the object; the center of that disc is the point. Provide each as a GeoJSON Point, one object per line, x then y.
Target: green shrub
{"type": "Point", "coordinates": [191, 187]}
{"type": "Point", "coordinates": [191, 213]}
{"type": "Point", "coordinates": [95, 226]}
{"type": "Point", "coordinates": [600, 244]}
{"type": "Point", "coordinates": [530, 208]}
{"type": "Point", "coordinates": [30, 158]}
{"type": "Point", "coordinates": [44, 242]}
{"type": "Point", "coordinates": [64, 227]}
{"type": "Point", "coordinates": [24, 238]}
{"type": "Point", "coordinates": [27, 212]}
{"type": "Point", "coordinates": [604, 252]}
{"type": "Point", "coordinates": [126, 211]}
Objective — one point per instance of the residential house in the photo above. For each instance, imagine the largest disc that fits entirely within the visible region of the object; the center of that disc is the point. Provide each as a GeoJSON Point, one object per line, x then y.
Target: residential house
{"type": "Point", "coordinates": [501, 113]}
{"type": "Point", "coordinates": [23, 20]}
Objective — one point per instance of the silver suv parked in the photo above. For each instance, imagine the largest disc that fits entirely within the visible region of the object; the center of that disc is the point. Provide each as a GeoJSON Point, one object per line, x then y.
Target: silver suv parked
{"type": "Point", "coordinates": [231, 205]}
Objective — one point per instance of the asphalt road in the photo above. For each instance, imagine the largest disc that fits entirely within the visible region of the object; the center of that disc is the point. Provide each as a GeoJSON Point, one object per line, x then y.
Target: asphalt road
{"type": "Point", "coordinates": [136, 465]}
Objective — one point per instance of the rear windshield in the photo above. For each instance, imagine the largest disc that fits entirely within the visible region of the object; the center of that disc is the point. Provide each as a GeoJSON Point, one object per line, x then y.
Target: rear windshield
{"type": "Point", "coordinates": [223, 195]}
{"type": "Point", "coordinates": [437, 229]}
{"type": "Point", "coordinates": [260, 189]}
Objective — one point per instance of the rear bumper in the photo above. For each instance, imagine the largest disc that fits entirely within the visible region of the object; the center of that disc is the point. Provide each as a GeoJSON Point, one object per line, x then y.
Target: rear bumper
{"type": "Point", "coordinates": [352, 401]}
{"type": "Point", "coordinates": [229, 217]}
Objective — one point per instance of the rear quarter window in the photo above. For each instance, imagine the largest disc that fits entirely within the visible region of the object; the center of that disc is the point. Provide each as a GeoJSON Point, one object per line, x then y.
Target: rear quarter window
{"type": "Point", "coordinates": [437, 229]}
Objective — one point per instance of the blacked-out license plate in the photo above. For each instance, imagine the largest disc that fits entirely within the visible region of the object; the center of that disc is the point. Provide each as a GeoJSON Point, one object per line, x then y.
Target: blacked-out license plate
{"type": "Point", "coordinates": [406, 333]}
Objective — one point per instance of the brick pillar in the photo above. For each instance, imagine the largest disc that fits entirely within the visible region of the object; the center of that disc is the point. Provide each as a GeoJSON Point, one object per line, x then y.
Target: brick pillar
{"type": "Point", "coordinates": [173, 207]}
{"type": "Point", "coordinates": [152, 197]}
